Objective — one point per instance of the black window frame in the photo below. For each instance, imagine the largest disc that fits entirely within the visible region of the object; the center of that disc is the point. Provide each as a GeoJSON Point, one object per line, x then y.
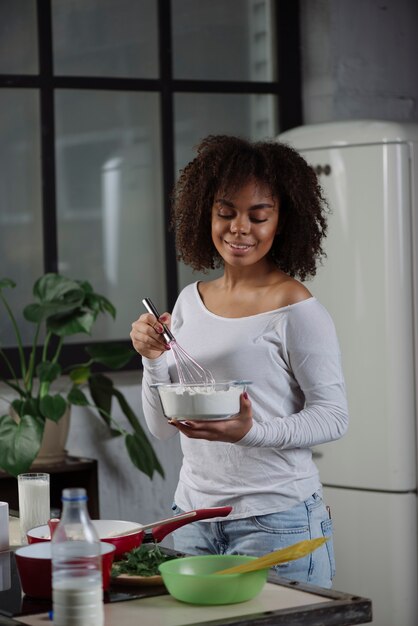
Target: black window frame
{"type": "Point", "coordinates": [287, 89]}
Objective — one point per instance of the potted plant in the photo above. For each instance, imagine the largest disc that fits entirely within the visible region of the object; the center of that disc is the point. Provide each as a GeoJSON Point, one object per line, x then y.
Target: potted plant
{"type": "Point", "coordinates": [63, 307]}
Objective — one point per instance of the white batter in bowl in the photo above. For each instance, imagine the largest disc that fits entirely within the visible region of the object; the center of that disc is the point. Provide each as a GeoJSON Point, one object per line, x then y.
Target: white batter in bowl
{"type": "Point", "coordinates": [201, 402]}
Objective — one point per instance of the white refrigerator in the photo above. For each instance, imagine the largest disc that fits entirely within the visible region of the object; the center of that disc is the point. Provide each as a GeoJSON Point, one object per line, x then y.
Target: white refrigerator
{"type": "Point", "coordinates": [369, 283]}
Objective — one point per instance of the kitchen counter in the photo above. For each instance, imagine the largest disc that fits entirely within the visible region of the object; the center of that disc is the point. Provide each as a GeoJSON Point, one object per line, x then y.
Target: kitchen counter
{"type": "Point", "coordinates": [277, 604]}
{"type": "Point", "coordinates": [280, 602]}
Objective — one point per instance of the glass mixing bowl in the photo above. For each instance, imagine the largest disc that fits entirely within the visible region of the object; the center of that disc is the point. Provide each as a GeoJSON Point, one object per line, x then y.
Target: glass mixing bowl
{"type": "Point", "coordinates": [199, 401]}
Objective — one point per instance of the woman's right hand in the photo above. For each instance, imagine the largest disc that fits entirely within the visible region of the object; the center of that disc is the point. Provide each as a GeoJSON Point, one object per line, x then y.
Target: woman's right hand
{"type": "Point", "coordinates": [146, 335]}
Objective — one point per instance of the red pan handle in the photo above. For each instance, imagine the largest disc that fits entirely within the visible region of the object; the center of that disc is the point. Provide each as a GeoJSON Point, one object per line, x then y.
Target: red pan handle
{"type": "Point", "coordinates": [159, 532]}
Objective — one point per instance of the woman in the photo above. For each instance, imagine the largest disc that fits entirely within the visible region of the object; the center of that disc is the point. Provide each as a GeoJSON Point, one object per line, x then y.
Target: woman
{"type": "Point", "coordinates": [257, 211]}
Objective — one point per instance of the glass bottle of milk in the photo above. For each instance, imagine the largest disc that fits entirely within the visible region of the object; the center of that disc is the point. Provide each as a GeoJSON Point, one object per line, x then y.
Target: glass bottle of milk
{"type": "Point", "coordinates": [77, 592]}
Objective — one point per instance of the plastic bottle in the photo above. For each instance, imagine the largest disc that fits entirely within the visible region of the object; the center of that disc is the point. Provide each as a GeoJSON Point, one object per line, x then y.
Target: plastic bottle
{"type": "Point", "coordinates": [77, 592]}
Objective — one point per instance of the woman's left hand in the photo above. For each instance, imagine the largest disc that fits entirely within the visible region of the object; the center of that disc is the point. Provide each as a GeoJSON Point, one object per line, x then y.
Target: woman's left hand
{"type": "Point", "coordinates": [230, 431]}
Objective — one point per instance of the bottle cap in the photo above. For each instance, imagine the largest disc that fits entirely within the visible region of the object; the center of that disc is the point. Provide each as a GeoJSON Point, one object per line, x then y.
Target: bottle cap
{"type": "Point", "coordinates": [74, 495]}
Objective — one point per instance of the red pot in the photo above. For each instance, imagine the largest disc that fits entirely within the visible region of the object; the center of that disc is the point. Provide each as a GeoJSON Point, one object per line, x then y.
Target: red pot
{"type": "Point", "coordinates": [35, 567]}
{"type": "Point", "coordinates": [129, 535]}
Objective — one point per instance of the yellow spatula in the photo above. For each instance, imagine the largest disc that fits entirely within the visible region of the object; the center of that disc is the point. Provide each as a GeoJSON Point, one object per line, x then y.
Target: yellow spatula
{"type": "Point", "coordinates": [297, 551]}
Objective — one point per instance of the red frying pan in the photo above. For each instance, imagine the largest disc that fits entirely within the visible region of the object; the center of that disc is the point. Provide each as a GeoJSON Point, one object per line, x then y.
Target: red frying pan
{"type": "Point", "coordinates": [128, 535]}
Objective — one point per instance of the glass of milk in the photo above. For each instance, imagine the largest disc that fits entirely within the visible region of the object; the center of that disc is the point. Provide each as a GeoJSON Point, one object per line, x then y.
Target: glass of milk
{"type": "Point", "coordinates": [34, 502]}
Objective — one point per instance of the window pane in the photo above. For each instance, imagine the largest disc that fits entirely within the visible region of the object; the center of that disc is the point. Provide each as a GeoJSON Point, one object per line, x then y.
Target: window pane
{"type": "Point", "coordinates": [18, 37]}
{"type": "Point", "coordinates": [105, 38]}
{"type": "Point", "coordinates": [20, 204]}
{"type": "Point", "coordinates": [253, 116]}
{"type": "Point", "coordinates": [218, 40]}
{"type": "Point", "coordinates": [110, 209]}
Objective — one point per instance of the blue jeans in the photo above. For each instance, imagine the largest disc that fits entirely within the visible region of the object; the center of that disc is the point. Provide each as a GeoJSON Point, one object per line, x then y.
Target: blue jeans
{"type": "Point", "coordinates": [261, 534]}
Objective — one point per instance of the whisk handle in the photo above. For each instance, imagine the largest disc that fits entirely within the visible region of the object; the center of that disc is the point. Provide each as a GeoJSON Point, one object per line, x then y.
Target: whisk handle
{"type": "Point", "coordinates": [167, 334]}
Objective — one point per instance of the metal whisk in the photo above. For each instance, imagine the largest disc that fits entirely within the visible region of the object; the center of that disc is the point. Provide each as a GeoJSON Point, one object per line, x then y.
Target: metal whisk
{"type": "Point", "coordinates": [189, 371]}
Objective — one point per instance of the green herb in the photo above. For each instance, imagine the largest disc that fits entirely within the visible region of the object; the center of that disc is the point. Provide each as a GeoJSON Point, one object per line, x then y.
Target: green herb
{"type": "Point", "coordinates": [142, 561]}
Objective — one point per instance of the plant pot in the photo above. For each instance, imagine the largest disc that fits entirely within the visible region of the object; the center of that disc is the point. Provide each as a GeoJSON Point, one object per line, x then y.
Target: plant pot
{"type": "Point", "coordinates": [54, 441]}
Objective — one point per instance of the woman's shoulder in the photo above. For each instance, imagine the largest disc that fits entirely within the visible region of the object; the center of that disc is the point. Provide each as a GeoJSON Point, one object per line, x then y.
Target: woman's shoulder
{"type": "Point", "coordinates": [187, 292]}
{"type": "Point", "coordinates": [307, 317]}
{"type": "Point", "coordinates": [291, 291]}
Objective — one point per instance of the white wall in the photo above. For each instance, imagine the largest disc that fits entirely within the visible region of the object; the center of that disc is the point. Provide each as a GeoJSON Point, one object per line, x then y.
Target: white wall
{"type": "Point", "coordinates": [359, 59]}
{"type": "Point", "coordinates": [125, 492]}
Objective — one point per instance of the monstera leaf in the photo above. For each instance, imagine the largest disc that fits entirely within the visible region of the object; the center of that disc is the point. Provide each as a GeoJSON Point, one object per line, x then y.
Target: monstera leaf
{"type": "Point", "coordinates": [19, 442]}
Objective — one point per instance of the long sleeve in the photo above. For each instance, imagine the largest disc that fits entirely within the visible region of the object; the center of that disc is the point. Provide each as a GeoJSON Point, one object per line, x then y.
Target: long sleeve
{"type": "Point", "coordinates": [155, 371]}
{"type": "Point", "coordinates": [313, 355]}
{"type": "Point", "coordinates": [324, 418]}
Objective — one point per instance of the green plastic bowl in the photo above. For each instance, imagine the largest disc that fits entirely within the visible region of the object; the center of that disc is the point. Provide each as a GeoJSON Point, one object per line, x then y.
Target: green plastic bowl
{"type": "Point", "coordinates": [192, 579]}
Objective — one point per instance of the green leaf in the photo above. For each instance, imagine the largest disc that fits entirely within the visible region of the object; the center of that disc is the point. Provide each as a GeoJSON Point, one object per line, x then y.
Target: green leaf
{"type": "Point", "coordinates": [34, 313]}
{"type": "Point", "coordinates": [139, 448]}
{"type": "Point", "coordinates": [101, 389]}
{"type": "Point", "coordinates": [142, 561]}
{"type": "Point", "coordinates": [78, 322]}
{"type": "Point", "coordinates": [27, 406]}
{"type": "Point", "coordinates": [53, 407]}
{"type": "Point", "coordinates": [142, 442]}
{"type": "Point", "coordinates": [19, 443]}
{"type": "Point", "coordinates": [100, 303]}
{"type": "Point", "coordinates": [80, 375]}
{"type": "Point", "coordinates": [85, 286]}
{"type": "Point", "coordinates": [142, 455]}
{"type": "Point", "coordinates": [47, 371]}
{"type": "Point", "coordinates": [37, 313]}
{"type": "Point", "coordinates": [6, 283]}
{"type": "Point", "coordinates": [113, 356]}
{"type": "Point", "coordinates": [77, 397]}
{"type": "Point", "coordinates": [54, 287]}
{"type": "Point", "coordinates": [127, 410]}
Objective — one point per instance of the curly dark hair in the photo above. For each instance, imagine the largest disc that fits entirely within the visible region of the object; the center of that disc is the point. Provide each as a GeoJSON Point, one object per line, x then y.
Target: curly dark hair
{"type": "Point", "coordinates": [227, 163]}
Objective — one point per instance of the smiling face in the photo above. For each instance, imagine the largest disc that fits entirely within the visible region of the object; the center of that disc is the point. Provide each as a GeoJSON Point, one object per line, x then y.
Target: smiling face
{"type": "Point", "coordinates": [244, 224]}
